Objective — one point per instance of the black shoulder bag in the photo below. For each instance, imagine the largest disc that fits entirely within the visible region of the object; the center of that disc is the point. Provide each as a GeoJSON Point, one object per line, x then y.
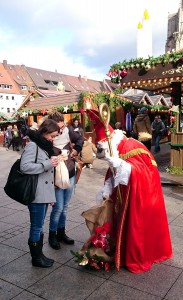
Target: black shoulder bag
{"type": "Point", "coordinates": [19, 186]}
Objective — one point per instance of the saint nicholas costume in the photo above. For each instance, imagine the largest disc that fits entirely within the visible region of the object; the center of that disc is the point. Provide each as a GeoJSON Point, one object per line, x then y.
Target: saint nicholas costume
{"type": "Point", "coordinates": [135, 205]}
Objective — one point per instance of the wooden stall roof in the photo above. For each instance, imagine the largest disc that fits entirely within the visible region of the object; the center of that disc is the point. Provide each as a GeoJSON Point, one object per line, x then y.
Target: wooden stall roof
{"type": "Point", "coordinates": [152, 74]}
{"type": "Point", "coordinates": [48, 102]}
{"type": "Point", "coordinates": [156, 79]}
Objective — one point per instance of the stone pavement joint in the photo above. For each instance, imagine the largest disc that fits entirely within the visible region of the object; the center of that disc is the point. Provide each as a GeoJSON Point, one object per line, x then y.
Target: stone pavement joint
{"type": "Point", "coordinates": [66, 280]}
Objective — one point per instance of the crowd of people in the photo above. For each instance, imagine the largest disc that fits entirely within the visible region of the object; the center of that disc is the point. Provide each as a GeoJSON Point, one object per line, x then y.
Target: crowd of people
{"type": "Point", "coordinates": [132, 175]}
{"type": "Point", "coordinates": [15, 137]}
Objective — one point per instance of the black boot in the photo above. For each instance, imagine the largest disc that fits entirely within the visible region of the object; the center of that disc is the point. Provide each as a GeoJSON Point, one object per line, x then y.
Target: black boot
{"type": "Point", "coordinates": [53, 240]}
{"type": "Point", "coordinates": [62, 237]}
{"type": "Point", "coordinates": [45, 258]}
{"type": "Point", "coordinates": [37, 255]}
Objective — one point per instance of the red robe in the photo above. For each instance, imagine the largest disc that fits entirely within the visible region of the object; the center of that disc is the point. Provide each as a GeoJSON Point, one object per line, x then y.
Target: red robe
{"type": "Point", "coordinates": [140, 226]}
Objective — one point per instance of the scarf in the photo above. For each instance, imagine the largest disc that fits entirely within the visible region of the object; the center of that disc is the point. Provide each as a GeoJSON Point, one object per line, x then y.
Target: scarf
{"type": "Point", "coordinates": [41, 142]}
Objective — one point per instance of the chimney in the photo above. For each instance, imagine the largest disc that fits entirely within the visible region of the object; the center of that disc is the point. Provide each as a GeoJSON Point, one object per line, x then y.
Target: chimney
{"type": "Point", "coordinates": [5, 64]}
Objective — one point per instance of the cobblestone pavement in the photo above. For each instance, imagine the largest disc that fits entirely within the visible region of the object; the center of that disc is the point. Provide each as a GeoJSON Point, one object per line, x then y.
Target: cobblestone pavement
{"type": "Point", "coordinates": [163, 157]}
{"type": "Point", "coordinates": [66, 280]}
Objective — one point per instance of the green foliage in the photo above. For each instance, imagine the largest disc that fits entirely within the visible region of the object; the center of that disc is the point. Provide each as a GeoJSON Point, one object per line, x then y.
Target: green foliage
{"type": "Point", "coordinates": [118, 90]}
{"type": "Point", "coordinates": [91, 263]}
{"type": "Point", "coordinates": [175, 170]}
{"type": "Point", "coordinates": [173, 130]}
{"type": "Point", "coordinates": [172, 57]}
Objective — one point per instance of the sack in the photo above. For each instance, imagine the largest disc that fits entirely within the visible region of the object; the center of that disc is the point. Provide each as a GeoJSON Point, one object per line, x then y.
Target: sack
{"type": "Point", "coordinates": [19, 186]}
{"type": "Point", "coordinates": [62, 176]}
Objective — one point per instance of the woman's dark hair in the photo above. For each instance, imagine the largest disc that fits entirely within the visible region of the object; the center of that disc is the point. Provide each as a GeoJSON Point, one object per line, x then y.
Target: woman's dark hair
{"type": "Point", "coordinates": [48, 126]}
{"type": "Point", "coordinates": [56, 116]}
{"type": "Point", "coordinates": [75, 119]}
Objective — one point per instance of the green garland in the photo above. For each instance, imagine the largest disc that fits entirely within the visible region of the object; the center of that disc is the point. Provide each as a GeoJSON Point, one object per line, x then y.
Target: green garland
{"type": "Point", "coordinates": [140, 63]}
{"type": "Point", "coordinates": [112, 99]}
{"type": "Point", "coordinates": [93, 263]}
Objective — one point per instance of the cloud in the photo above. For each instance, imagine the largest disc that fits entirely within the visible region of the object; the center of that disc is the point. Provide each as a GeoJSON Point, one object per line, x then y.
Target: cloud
{"type": "Point", "coordinates": [78, 37]}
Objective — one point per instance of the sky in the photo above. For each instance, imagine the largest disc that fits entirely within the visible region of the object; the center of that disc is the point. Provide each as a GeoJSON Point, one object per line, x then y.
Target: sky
{"type": "Point", "coordinates": [78, 37]}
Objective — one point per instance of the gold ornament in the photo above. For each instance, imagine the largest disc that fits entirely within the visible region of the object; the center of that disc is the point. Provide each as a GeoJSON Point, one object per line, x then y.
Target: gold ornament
{"type": "Point", "coordinates": [75, 106]}
{"type": "Point", "coordinates": [84, 262]}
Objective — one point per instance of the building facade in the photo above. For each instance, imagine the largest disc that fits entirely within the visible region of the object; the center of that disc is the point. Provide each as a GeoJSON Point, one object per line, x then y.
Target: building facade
{"type": "Point", "coordinates": [175, 30]}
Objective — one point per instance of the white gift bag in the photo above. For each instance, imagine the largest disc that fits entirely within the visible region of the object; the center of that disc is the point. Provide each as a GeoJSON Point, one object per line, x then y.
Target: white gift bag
{"type": "Point", "coordinates": [62, 176]}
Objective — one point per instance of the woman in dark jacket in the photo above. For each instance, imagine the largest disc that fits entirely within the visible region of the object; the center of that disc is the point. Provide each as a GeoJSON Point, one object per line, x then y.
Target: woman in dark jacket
{"type": "Point", "coordinates": [40, 143]}
{"type": "Point", "coordinates": [76, 127]}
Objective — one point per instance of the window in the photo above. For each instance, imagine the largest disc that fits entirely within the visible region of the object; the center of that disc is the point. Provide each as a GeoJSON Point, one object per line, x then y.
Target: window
{"type": "Point", "coordinates": [7, 97]}
{"type": "Point", "coordinates": [13, 98]}
{"type": "Point", "coordinates": [1, 97]}
{"type": "Point", "coordinates": [5, 86]}
{"type": "Point", "coordinates": [13, 109]}
{"type": "Point", "coordinates": [23, 87]}
{"type": "Point", "coordinates": [8, 110]}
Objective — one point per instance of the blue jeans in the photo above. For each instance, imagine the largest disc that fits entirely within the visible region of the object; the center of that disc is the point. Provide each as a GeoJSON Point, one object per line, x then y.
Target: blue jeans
{"type": "Point", "coordinates": [156, 143]}
{"type": "Point", "coordinates": [37, 216]}
{"type": "Point", "coordinates": [59, 209]}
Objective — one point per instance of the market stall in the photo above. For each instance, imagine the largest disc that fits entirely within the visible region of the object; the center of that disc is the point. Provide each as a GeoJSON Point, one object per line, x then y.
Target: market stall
{"type": "Point", "coordinates": [161, 75]}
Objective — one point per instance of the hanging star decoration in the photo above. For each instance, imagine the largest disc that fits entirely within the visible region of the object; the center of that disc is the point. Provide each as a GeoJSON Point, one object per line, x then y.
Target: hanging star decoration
{"type": "Point", "coordinates": [66, 108]}
{"type": "Point", "coordinates": [175, 108]}
{"type": "Point", "coordinates": [24, 114]}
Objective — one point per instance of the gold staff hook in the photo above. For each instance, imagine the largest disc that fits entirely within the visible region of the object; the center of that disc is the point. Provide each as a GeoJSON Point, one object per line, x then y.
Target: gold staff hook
{"type": "Point", "coordinates": [105, 117]}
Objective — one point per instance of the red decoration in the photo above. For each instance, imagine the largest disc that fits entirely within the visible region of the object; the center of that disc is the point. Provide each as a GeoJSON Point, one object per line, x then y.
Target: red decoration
{"type": "Point", "coordinates": [94, 265]}
{"type": "Point", "coordinates": [109, 74]}
{"type": "Point", "coordinates": [107, 267]}
{"type": "Point", "coordinates": [102, 264]}
{"type": "Point", "coordinates": [99, 239]}
{"type": "Point", "coordinates": [43, 111]}
{"type": "Point", "coordinates": [172, 119]}
{"type": "Point", "coordinates": [123, 73]}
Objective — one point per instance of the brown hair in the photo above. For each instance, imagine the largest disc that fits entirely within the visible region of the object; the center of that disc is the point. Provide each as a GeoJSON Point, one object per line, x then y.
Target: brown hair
{"type": "Point", "coordinates": [48, 126]}
{"type": "Point", "coordinates": [56, 116]}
